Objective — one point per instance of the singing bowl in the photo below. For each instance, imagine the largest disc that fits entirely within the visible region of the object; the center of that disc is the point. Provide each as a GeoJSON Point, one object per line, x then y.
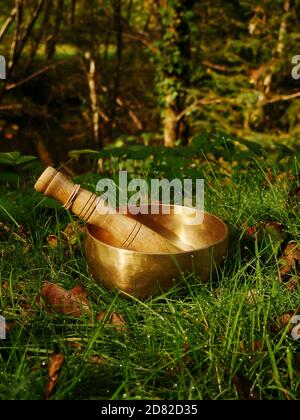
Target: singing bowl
{"type": "Point", "coordinates": [141, 274]}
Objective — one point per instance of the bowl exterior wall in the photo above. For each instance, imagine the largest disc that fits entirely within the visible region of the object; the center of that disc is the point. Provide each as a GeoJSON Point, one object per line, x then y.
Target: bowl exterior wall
{"type": "Point", "coordinates": [144, 275]}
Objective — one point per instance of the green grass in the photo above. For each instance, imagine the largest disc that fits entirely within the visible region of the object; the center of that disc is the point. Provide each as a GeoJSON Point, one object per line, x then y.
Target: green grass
{"type": "Point", "coordinates": [189, 343]}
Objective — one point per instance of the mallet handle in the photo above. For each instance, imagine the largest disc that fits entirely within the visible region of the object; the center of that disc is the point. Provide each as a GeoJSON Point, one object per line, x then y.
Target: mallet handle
{"type": "Point", "coordinates": [124, 231]}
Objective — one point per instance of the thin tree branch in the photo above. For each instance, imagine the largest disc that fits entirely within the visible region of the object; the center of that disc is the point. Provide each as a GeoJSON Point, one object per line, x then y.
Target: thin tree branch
{"type": "Point", "coordinates": [10, 107]}
{"type": "Point", "coordinates": [16, 37]}
{"type": "Point", "coordinates": [24, 39]}
{"type": "Point", "coordinates": [7, 23]}
{"type": "Point", "coordinates": [203, 101]}
{"type": "Point", "coordinates": [282, 98]}
{"type": "Point", "coordinates": [233, 101]}
{"type": "Point", "coordinates": [33, 75]}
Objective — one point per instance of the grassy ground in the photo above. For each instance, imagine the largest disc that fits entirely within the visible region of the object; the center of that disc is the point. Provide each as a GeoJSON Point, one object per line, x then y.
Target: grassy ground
{"type": "Point", "coordinates": [198, 341]}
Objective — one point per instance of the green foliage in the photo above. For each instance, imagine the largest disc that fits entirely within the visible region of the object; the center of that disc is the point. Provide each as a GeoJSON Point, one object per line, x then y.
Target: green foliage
{"type": "Point", "coordinates": [219, 149]}
{"type": "Point", "coordinates": [16, 159]}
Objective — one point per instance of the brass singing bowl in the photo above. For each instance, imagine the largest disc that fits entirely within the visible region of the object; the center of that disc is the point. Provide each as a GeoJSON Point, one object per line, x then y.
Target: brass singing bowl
{"type": "Point", "coordinates": [146, 274]}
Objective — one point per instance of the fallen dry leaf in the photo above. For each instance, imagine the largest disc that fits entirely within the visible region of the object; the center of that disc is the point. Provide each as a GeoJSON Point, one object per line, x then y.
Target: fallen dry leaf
{"type": "Point", "coordinates": [251, 230]}
{"type": "Point", "coordinates": [97, 360]}
{"type": "Point", "coordinates": [293, 284]}
{"type": "Point", "coordinates": [273, 226]}
{"type": "Point", "coordinates": [52, 241]}
{"type": "Point", "coordinates": [4, 286]}
{"type": "Point", "coordinates": [69, 302]}
{"type": "Point", "coordinates": [289, 261]}
{"type": "Point", "coordinates": [287, 266]}
{"type": "Point", "coordinates": [55, 363]}
{"type": "Point", "coordinates": [6, 231]}
{"type": "Point", "coordinates": [257, 345]}
{"type": "Point", "coordinates": [114, 319]}
{"type": "Point", "coordinates": [71, 232]}
{"type": "Point", "coordinates": [79, 292]}
{"type": "Point", "coordinates": [27, 311]}
{"type": "Point", "coordinates": [252, 297]}
{"type": "Point", "coordinates": [282, 321]}
{"type": "Point", "coordinates": [275, 231]}
{"type": "Point", "coordinates": [292, 251]}
{"type": "Point", "coordinates": [269, 177]}
{"type": "Point", "coordinates": [74, 342]}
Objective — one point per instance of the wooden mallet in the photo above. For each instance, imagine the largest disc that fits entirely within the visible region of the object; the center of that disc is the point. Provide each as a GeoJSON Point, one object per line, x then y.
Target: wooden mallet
{"type": "Point", "coordinates": [124, 232]}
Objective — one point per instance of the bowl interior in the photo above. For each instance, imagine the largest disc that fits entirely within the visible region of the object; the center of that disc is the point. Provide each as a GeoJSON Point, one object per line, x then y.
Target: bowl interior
{"type": "Point", "coordinates": [179, 226]}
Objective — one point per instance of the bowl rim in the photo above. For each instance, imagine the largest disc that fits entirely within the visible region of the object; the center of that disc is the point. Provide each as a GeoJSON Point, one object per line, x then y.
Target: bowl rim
{"type": "Point", "coordinates": [132, 252]}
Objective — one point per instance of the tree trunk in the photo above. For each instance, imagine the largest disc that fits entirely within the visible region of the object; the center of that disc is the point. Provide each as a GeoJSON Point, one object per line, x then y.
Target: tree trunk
{"type": "Point", "coordinates": [52, 39]}
{"type": "Point", "coordinates": [283, 28]}
{"type": "Point", "coordinates": [72, 13]}
{"type": "Point", "coordinates": [117, 6]}
{"type": "Point", "coordinates": [176, 128]}
{"type": "Point", "coordinates": [92, 84]}
{"type": "Point", "coordinates": [170, 122]}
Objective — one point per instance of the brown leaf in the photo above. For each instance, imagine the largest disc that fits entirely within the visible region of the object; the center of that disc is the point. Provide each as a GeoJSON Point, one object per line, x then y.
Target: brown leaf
{"type": "Point", "coordinates": [251, 230]}
{"type": "Point", "coordinates": [27, 311]}
{"type": "Point", "coordinates": [287, 266]}
{"type": "Point", "coordinates": [74, 342]}
{"type": "Point", "coordinates": [5, 286]}
{"type": "Point", "coordinates": [282, 321]}
{"type": "Point", "coordinates": [293, 284]}
{"type": "Point", "coordinates": [295, 331]}
{"type": "Point", "coordinates": [52, 241]}
{"type": "Point", "coordinates": [97, 360]}
{"type": "Point", "coordinates": [20, 235]}
{"type": "Point", "coordinates": [292, 251]}
{"type": "Point", "coordinates": [269, 178]}
{"type": "Point", "coordinates": [285, 318]}
{"type": "Point", "coordinates": [289, 261]}
{"type": "Point", "coordinates": [253, 296]}
{"type": "Point", "coordinates": [71, 232]}
{"type": "Point", "coordinates": [273, 226]}
{"type": "Point", "coordinates": [114, 319]}
{"type": "Point", "coordinates": [244, 387]}
{"type": "Point", "coordinates": [257, 345]}
{"type": "Point", "coordinates": [79, 292]}
{"type": "Point", "coordinates": [64, 301]}
{"type": "Point", "coordinates": [4, 232]}
{"type": "Point", "coordinates": [55, 364]}
{"type": "Point", "coordinates": [274, 230]}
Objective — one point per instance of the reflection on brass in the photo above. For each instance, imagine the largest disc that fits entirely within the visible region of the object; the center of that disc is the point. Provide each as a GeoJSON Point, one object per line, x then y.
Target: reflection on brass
{"type": "Point", "coordinates": [143, 274]}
